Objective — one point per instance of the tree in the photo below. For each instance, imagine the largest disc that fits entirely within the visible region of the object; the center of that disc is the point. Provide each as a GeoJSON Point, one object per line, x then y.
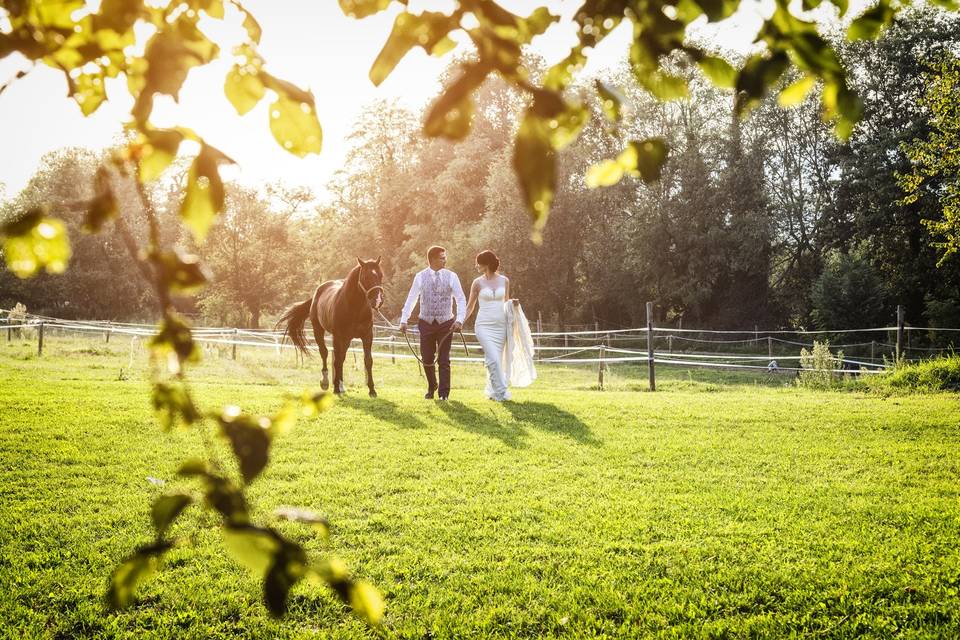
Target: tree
{"type": "Point", "coordinates": [936, 158]}
{"type": "Point", "coordinates": [868, 206]}
{"type": "Point", "coordinates": [256, 255]}
{"type": "Point", "coordinates": [848, 294]}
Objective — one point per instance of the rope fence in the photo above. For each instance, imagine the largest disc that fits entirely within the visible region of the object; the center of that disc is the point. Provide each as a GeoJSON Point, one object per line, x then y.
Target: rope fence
{"type": "Point", "coordinates": [713, 349]}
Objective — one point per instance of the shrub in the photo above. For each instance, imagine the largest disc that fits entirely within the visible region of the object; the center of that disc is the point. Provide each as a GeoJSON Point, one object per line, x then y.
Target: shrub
{"type": "Point", "coordinates": [937, 374]}
{"type": "Point", "coordinates": [817, 367]}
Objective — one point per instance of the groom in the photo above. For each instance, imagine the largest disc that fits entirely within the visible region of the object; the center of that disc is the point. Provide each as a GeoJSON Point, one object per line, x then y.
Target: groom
{"type": "Point", "coordinates": [437, 288]}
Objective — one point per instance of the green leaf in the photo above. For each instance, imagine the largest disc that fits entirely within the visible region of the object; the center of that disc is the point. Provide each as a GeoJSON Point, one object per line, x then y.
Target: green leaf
{"type": "Point", "coordinates": [363, 8]}
{"type": "Point", "coordinates": [758, 74]}
{"type": "Point", "coordinates": [719, 71]}
{"type": "Point", "coordinates": [154, 151]}
{"type": "Point", "coordinates": [193, 467]}
{"type": "Point", "coordinates": [33, 242]}
{"type": "Point", "coordinates": [205, 196]}
{"type": "Point", "coordinates": [88, 91]}
{"type": "Point", "coordinates": [843, 106]}
{"type": "Point", "coordinates": [312, 404]}
{"type": "Point", "coordinates": [810, 5]}
{"type": "Point", "coordinates": [251, 546]}
{"type": "Point", "coordinates": [451, 115]}
{"type": "Point", "coordinates": [718, 9]}
{"type": "Point", "coordinates": [133, 572]}
{"type": "Point", "coordinates": [173, 405]}
{"type": "Point", "coordinates": [252, 26]}
{"type": "Point", "coordinates": [534, 160]}
{"type": "Point", "coordinates": [282, 421]}
{"type": "Point", "coordinates": [661, 85]}
{"type": "Point", "coordinates": [227, 499]}
{"type": "Point", "coordinates": [175, 343]}
{"type": "Point", "coordinates": [644, 158]}
{"type": "Point", "coordinates": [559, 75]}
{"type": "Point", "coordinates": [566, 125]}
{"type": "Point", "coordinates": [250, 439]}
{"type": "Point", "coordinates": [797, 91]}
{"type": "Point", "coordinates": [103, 207]}
{"type": "Point", "coordinates": [179, 272]}
{"type": "Point", "coordinates": [166, 509]}
{"type": "Point", "coordinates": [366, 602]}
{"type": "Point", "coordinates": [842, 5]}
{"type": "Point", "coordinates": [243, 88]}
{"type": "Point", "coordinates": [289, 566]}
{"type": "Point", "coordinates": [427, 30]}
{"type": "Point", "coordinates": [295, 126]}
{"type": "Point", "coordinates": [604, 174]}
{"type": "Point", "coordinates": [651, 154]}
{"type": "Point", "coordinates": [611, 100]}
{"type": "Point", "coordinates": [871, 22]}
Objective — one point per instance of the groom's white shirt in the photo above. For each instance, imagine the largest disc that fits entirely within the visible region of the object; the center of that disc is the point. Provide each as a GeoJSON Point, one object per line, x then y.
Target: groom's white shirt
{"type": "Point", "coordinates": [436, 291]}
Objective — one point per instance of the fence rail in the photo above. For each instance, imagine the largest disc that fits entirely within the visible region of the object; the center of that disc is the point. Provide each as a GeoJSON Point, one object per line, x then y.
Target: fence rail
{"type": "Point", "coordinates": [712, 349]}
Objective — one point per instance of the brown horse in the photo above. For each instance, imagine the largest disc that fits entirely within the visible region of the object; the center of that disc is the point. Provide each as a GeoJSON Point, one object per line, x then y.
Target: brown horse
{"type": "Point", "coordinates": [344, 309]}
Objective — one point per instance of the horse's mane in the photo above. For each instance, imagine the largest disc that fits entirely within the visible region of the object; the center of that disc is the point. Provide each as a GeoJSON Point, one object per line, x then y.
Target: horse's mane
{"type": "Point", "coordinates": [353, 277]}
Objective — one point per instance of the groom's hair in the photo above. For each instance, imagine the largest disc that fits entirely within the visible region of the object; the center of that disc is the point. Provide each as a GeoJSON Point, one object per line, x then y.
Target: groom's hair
{"type": "Point", "coordinates": [434, 251]}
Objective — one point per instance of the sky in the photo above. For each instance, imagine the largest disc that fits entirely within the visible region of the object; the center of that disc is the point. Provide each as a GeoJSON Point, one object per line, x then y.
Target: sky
{"type": "Point", "coordinates": [310, 43]}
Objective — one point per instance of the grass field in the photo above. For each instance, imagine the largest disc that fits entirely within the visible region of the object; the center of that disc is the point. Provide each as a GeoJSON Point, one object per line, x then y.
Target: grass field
{"type": "Point", "coordinates": [721, 506]}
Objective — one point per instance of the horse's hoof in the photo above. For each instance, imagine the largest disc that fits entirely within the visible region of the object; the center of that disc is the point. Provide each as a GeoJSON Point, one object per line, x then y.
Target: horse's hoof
{"type": "Point", "coordinates": [373, 394]}
{"type": "Point", "coordinates": [324, 385]}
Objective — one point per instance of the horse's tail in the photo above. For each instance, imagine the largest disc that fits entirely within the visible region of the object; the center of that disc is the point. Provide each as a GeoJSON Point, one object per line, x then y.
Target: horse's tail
{"type": "Point", "coordinates": [295, 317]}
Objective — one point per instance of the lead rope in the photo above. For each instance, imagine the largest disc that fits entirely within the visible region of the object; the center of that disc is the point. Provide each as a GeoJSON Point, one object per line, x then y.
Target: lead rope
{"type": "Point", "coordinates": [410, 346]}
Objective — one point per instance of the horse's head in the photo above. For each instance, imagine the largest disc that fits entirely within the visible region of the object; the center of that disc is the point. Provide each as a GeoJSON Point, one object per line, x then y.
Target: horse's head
{"type": "Point", "coordinates": [370, 280]}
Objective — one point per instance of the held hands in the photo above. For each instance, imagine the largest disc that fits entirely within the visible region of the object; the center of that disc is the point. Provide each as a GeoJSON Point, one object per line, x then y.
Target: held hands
{"type": "Point", "coordinates": [457, 326]}
{"type": "Point", "coordinates": [515, 302]}
{"type": "Point", "coordinates": [403, 327]}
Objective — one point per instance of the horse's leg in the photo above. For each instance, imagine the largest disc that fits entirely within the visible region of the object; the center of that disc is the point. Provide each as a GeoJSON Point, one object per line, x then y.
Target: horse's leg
{"type": "Point", "coordinates": [368, 361]}
{"type": "Point", "coordinates": [318, 334]}
{"type": "Point", "coordinates": [325, 381]}
{"type": "Point", "coordinates": [340, 346]}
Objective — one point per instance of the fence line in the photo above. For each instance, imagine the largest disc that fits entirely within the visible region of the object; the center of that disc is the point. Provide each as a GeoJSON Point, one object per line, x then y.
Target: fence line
{"type": "Point", "coordinates": [576, 354]}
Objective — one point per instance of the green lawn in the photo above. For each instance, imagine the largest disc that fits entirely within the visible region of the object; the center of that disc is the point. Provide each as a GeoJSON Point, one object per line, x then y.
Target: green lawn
{"type": "Point", "coordinates": [724, 505]}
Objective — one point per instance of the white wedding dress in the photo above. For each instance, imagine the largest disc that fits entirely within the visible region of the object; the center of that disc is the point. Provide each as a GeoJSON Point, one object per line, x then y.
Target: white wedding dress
{"type": "Point", "coordinates": [503, 332]}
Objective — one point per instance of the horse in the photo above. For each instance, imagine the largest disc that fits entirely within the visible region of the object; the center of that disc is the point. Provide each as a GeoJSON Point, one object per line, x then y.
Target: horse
{"type": "Point", "coordinates": [344, 309]}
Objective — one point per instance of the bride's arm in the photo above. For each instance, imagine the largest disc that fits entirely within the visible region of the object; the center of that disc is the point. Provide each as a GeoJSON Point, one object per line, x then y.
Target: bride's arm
{"type": "Point", "coordinates": [506, 294]}
{"type": "Point", "coordinates": [474, 292]}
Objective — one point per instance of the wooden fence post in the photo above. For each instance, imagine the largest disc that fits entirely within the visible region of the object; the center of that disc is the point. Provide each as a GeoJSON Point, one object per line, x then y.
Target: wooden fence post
{"type": "Point", "coordinates": [9, 330]}
{"type": "Point", "coordinates": [650, 368]}
{"type": "Point", "coordinates": [770, 347]}
{"type": "Point", "coordinates": [40, 340]}
{"type": "Point", "coordinates": [601, 369]}
{"type": "Point", "coordinates": [539, 330]}
{"type": "Point", "coordinates": [899, 331]}
{"type": "Point", "coordinates": [670, 343]}
{"type": "Point", "coordinates": [106, 337]}
{"type": "Point", "coordinates": [236, 333]}
{"type": "Point", "coordinates": [393, 353]}
{"type": "Point", "coordinates": [873, 346]}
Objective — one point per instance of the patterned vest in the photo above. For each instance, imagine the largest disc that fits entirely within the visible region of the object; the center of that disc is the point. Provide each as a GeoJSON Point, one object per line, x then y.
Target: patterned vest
{"type": "Point", "coordinates": [436, 301]}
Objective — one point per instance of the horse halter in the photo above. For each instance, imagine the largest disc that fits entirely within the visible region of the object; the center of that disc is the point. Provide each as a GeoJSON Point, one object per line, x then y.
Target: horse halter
{"type": "Point", "coordinates": [370, 290]}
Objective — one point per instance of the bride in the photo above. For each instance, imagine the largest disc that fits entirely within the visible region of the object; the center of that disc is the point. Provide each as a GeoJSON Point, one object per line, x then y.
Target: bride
{"type": "Point", "coordinates": [502, 330]}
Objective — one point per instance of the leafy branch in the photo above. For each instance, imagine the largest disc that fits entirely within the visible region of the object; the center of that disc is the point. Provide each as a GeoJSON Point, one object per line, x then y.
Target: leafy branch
{"type": "Point", "coordinates": [553, 119]}
{"type": "Point", "coordinates": [89, 47]}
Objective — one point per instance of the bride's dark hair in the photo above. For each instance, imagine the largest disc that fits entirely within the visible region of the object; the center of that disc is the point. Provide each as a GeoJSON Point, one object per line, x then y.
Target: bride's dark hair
{"type": "Point", "coordinates": [488, 259]}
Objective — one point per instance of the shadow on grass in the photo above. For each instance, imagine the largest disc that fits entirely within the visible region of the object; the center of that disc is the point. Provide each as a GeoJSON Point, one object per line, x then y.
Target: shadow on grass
{"type": "Point", "coordinates": [474, 421]}
{"type": "Point", "coordinates": [383, 410]}
{"type": "Point", "coordinates": [547, 417]}
{"type": "Point", "coordinates": [526, 415]}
